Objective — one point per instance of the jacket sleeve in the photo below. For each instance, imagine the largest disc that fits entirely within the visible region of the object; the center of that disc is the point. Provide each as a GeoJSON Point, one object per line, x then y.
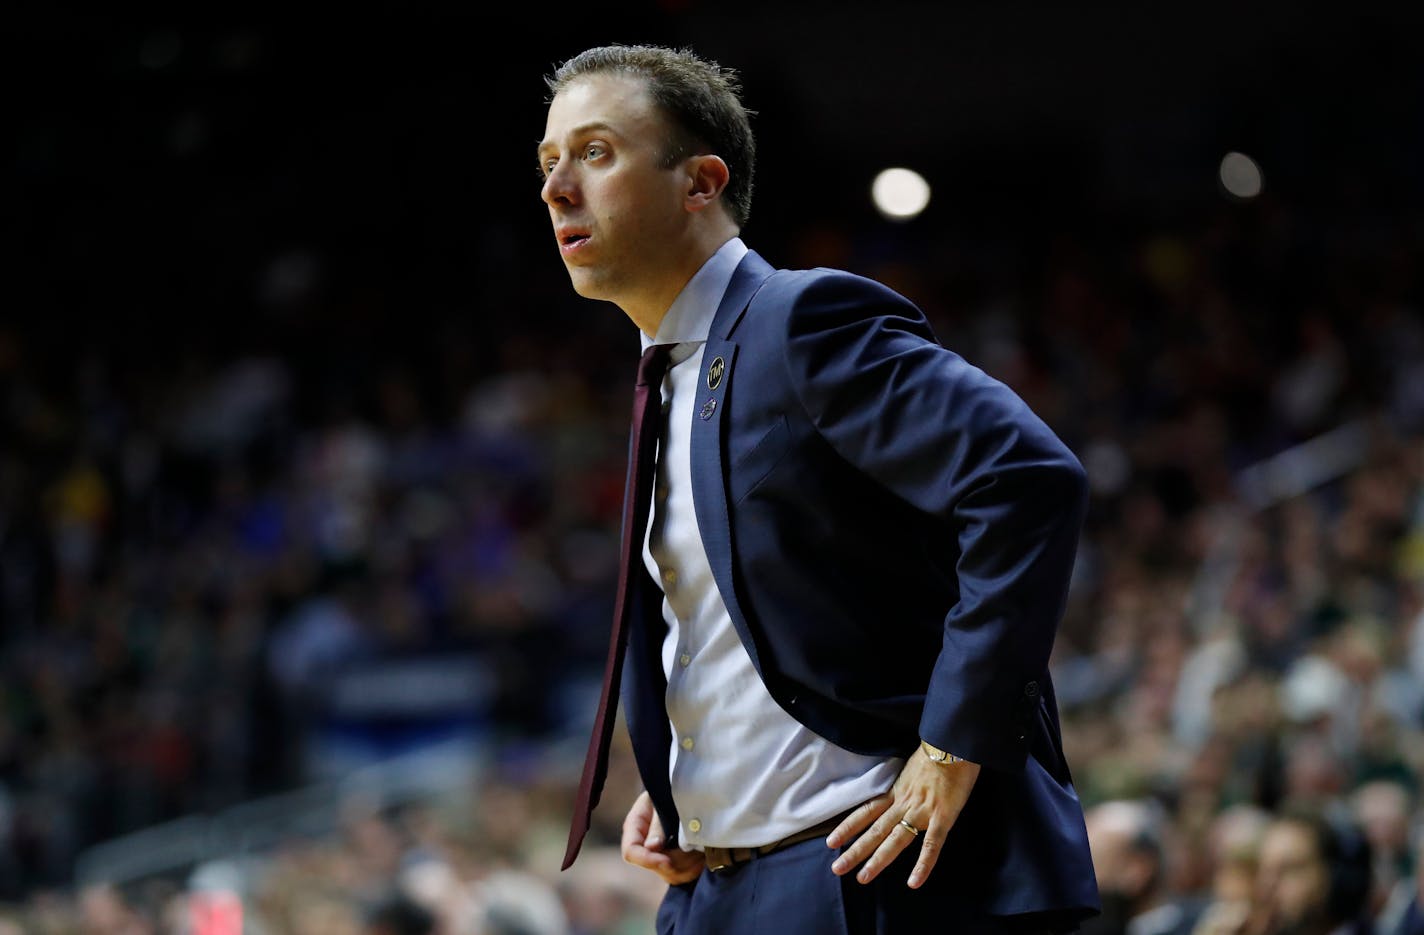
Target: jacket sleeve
{"type": "Point", "coordinates": [951, 441]}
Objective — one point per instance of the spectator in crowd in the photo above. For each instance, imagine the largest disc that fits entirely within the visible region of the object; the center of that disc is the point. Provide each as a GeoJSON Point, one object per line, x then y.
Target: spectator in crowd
{"type": "Point", "coordinates": [400, 915]}
{"type": "Point", "coordinates": [1408, 917]}
{"type": "Point", "coordinates": [1314, 878]}
{"type": "Point", "coordinates": [1233, 849]}
{"type": "Point", "coordinates": [1130, 854]}
{"type": "Point", "coordinates": [1383, 809]}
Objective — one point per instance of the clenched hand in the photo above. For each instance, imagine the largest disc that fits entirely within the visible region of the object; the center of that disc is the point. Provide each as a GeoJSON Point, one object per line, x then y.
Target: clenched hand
{"type": "Point", "coordinates": [644, 845]}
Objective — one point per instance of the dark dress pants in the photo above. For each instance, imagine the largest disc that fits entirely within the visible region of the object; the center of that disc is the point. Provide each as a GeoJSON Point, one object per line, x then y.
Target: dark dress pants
{"type": "Point", "coordinates": [793, 892]}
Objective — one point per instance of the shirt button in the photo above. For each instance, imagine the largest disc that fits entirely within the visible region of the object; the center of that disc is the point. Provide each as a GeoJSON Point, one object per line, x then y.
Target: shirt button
{"type": "Point", "coordinates": [662, 492]}
{"type": "Point", "coordinates": [687, 743]}
{"type": "Point", "coordinates": [669, 577]}
{"type": "Point", "coordinates": [694, 826]}
{"type": "Point", "coordinates": [685, 659]}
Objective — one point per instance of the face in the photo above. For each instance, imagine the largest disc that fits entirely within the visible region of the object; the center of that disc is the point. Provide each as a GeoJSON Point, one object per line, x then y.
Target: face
{"type": "Point", "coordinates": [1109, 848]}
{"type": "Point", "coordinates": [1292, 879]}
{"type": "Point", "coordinates": [1121, 870]}
{"type": "Point", "coordinates": [619, 218]}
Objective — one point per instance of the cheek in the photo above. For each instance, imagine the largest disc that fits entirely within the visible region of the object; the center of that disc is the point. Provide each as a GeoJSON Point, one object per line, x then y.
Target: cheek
{"type": "Point", "coordinates": [1300, 890]}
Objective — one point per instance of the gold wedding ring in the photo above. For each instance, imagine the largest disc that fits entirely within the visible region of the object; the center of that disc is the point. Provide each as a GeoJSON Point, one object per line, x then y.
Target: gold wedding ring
{"type": "Point", "coordinates": [905, 823]}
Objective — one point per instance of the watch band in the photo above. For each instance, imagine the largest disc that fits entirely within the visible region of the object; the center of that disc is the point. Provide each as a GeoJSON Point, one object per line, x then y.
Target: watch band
{"type": "Point", "coordinates": [938, 755]}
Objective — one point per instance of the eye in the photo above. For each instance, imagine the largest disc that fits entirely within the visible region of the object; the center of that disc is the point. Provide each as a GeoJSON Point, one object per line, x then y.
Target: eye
{"type": "Point", "coordinates": [593, 151]}
{"type": "Point", "coordinates": [545, 167]}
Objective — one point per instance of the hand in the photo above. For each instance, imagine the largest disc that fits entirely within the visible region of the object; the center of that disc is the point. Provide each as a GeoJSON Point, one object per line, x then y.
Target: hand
{"type": "Point", "coordinates": [928, 795]}
{"type": "Point", "coordinates": [644, 845]}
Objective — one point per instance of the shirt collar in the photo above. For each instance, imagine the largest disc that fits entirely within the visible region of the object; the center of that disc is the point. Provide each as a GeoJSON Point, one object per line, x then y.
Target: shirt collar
{"type": "Point", "coordinates": [689, 318]}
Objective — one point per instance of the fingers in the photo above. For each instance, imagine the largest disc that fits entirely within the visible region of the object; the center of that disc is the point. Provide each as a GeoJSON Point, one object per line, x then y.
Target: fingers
{"type": "Point", "coordinates": [930, 848]}
{"type": "Point", "coordinates": [937, 832]}
{"type": "Point", "coordinates": [638, 822]}
{"type": "Point", "coordinates": [684, 866]}
{"type": "Point", "coordinates": [636, 845]}
{"type": "Point", "coordinates": [881, 843]}
{"type": "Point", "coordinates": [858, 820]}
{"type": "Point", "coordinates": [672, 866]}
{"type": "Point", "coordinates": [643, 843]}
{"type": "Point", "coordinates": [940, 822]}
{"type": "Point", "coordinates": [655, 836]}
{"type": "Point", "coordinates": [928, 798]}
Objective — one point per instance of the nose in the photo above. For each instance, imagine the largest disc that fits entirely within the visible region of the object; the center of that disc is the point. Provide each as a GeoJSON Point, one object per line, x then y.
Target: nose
{"type": "Point", "coordinates": [559, 186]}
{"type": "Point", "coordinates": [1266, 883]}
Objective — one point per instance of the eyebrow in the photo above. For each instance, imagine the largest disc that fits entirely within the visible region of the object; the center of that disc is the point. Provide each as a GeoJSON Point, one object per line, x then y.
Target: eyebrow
{"type": "Point", "coordinates": [579, 130]}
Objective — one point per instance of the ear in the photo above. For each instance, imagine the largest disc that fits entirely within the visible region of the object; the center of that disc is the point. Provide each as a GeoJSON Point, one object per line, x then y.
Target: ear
{"type": "Point", "coordinates": [707, 175]}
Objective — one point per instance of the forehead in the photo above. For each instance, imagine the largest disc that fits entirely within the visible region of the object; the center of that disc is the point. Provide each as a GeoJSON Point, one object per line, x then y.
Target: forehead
{"type": "Point", "coordinates": [619, 102]}
{"type": "Point", "coordinates": [1288, 841]}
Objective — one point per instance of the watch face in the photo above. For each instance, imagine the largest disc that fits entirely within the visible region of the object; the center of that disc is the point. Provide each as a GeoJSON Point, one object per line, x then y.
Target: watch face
{"type": "Point", "coordinates": [936, 755]}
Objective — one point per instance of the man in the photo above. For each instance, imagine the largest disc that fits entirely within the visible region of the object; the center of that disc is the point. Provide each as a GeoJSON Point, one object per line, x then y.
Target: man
{"type": "Point", "coordinates": [1313, 878]}
{"type": "Point", "coordinates": [399, 915]}
{"type": "Point", "coordinates": [1129, 842]}
{"type": "Point", "coordinates": [1408, 919]}
{"type": "Point", "coordinates": [853, 566]}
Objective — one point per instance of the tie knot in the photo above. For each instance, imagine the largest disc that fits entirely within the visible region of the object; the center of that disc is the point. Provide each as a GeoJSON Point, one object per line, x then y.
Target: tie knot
{"type": "Point", "coordinates": [653, 364]}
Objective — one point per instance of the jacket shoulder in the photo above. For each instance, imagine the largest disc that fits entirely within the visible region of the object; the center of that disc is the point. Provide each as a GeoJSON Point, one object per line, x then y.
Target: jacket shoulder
{"type": "Point", "coordinates": [795, 283]}
{"type": "Point", "coordinates": [797, 300]}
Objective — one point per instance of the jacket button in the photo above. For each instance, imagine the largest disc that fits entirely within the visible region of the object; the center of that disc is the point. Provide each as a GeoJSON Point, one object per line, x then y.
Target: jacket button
{"type": "Point", "coordinates": [1031, 690]}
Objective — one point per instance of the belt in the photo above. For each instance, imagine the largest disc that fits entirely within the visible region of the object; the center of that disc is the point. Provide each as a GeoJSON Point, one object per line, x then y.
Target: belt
{"type": "Point", "coordinates": [721, 859]}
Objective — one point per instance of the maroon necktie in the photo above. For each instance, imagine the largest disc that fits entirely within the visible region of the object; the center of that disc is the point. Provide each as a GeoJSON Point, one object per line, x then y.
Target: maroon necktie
{"type": "Point", "coordinates": [647, 402]}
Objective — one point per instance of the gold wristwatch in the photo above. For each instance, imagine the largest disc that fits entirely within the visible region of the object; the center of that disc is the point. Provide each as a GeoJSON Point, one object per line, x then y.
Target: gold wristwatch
{"type": "Point", "coordinates": [938, 755]}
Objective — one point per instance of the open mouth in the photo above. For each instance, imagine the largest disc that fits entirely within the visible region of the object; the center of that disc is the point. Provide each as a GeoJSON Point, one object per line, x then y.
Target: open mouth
{"type": "Point", "coordinates": [572, 240]}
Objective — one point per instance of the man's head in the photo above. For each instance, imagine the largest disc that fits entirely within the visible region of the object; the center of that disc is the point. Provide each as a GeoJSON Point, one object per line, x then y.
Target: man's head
{"type": "Point", "coordinates": [699, 100]}
{"type": "Point", "coordinates": [1313, 875]}
{"type": "Point", "coordinates": [1126, 839]}
{"type": "Point", "coordinates": [400, 915]}
{"type": "Point", "coordinates": [1234, 842]}
{"type": "Point", "coordinates": [646, 163]}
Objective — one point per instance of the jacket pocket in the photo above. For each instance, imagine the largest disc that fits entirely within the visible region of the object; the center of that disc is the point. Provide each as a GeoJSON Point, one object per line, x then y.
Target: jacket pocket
{"type": "Point", "coordinates": [1056, 762]}
{"type": "Point", "coordinates": [751, 467]}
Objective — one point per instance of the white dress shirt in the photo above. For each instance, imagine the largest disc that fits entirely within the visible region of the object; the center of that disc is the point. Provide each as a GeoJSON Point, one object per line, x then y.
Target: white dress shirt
{"type": "Point", "coordinates": [744, 772]}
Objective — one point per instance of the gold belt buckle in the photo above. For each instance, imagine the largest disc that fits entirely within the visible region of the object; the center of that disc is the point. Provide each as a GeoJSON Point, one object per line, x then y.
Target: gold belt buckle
{"type": "Point", "coordinates": [718, 858]}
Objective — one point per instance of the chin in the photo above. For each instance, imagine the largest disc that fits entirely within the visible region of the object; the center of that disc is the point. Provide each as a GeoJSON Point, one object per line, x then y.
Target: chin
{"type": "Point", "coordinates": [586, 285]}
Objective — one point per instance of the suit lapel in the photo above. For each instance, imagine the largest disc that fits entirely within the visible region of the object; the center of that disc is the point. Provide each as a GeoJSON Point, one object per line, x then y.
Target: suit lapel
{"type": "Point", "coordinates": [746, 280]}
{"type": "Point", "coordinates": [710, 426]}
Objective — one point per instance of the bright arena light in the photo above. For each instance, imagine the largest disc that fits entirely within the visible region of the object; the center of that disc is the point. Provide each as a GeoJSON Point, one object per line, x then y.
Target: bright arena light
{"type": "Point", "coordinates": [1240, 175]}
{"type": "Point", "coordinates": [900, 194]}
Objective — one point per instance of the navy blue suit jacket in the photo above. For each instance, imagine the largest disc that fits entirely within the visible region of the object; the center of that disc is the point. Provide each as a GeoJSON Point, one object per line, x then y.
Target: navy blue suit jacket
{"type": "Point", "coordinates": [892, 531]}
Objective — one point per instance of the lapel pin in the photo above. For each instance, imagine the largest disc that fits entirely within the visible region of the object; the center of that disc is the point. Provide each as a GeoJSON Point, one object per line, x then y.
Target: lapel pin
{"type": "Point", "coordinates": [714, 373]}
{"type": "Point", "coordinates": [708, 408]}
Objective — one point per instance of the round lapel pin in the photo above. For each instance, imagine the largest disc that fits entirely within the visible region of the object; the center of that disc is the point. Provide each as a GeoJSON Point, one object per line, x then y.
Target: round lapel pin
{"type": "Point", "coordinates": [714, 373]}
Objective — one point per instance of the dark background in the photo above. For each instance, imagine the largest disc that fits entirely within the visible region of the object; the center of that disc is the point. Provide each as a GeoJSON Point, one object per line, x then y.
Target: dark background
{"type": "Point", "coordinates": [159, 166]}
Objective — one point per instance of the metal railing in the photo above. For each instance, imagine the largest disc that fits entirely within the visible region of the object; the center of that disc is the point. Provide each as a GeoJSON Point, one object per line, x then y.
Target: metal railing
{"type": "Point", "coordinates": [252, 828]}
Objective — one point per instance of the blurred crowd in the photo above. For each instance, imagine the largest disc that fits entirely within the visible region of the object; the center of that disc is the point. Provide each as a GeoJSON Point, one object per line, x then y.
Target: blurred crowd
{"type": "Point", "coordinates": [201, 542]}
{"type": "Point", "coordinates": [192, 556]}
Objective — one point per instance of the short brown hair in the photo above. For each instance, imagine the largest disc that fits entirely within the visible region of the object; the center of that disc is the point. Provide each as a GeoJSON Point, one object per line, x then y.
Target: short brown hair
{"type": "Point", "coordinates": [701, 98]}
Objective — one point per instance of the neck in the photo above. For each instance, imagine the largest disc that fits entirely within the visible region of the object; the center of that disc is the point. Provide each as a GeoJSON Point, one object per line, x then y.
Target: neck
{"type": "Point", "coordinates": [649, 310]}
